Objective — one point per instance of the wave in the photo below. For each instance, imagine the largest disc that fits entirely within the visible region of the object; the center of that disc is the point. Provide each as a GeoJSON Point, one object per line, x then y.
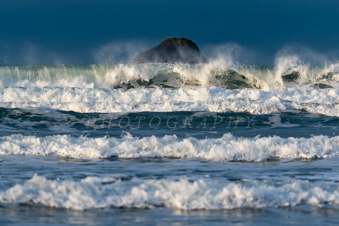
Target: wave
{"type": "Point", "coordinates": [315, 101]}
{"type": "Point", "coordinates": [127, 192]}
{"type": "Point", "coordinates": [227, 148]}
{"type": "Point", "coordinates": [217, 73]}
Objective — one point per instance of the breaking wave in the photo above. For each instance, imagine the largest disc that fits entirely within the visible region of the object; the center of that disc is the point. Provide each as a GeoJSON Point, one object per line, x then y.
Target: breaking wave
{"type": "Point", "coordinates": [123, 191]}
{"type": "Point", "coordinates": [227, 148]}
{"type": "Point", "coordinates": [217, 73]}
{"type": "Point", "coordinates": [85, 100]}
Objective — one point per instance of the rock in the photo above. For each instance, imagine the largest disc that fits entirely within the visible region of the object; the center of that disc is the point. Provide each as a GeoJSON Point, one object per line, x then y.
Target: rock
{"type": "Point", "coordinates": [294, 75]}
{"type": "Point", "coordinates": [172, 50]}
{"type": "Point", "coordinates": [321, 86]}
{"type": "Point", "coordinates": [233, 80]}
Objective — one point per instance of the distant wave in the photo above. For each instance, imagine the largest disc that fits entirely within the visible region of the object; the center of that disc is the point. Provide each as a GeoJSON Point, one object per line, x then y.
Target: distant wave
{"type": "Point", "coordinates": [215, 74]}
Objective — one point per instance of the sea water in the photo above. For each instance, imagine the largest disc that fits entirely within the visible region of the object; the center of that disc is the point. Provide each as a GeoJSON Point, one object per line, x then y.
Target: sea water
{"type": "Point", "coordinates": [169, 144]}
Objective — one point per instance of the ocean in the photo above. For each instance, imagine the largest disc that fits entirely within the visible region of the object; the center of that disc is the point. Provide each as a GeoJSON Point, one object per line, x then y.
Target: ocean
{"type": "Point", "coordinates": [170, 144]}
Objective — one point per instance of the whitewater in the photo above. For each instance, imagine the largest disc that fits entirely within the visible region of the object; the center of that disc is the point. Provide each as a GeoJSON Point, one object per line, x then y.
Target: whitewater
{"type": "Point", "coordinates": [216, 139]}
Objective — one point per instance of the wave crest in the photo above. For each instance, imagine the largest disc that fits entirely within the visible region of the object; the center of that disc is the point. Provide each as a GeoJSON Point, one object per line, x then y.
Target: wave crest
{"type": "Point", "coordinates": [289, 72]}
{"type": "Point", "coordinates": [98, 193]}
{"type": "Point", "coordinates": [227, 148]}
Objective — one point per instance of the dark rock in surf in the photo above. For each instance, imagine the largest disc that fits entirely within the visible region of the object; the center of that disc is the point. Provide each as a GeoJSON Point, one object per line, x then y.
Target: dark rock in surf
{"type": "Point", "coordinates": [233, 80]}
{"type": "Point", "coordinates": [293, 76]}
{"type": "Point", "coordinates": [172, 50]}
{"type": "Point", "coordinates": [321, 86]}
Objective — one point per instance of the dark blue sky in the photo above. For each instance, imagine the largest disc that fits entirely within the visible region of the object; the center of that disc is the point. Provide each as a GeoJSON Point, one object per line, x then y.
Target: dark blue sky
{"type": "Point", "coordinates": [84, 31]}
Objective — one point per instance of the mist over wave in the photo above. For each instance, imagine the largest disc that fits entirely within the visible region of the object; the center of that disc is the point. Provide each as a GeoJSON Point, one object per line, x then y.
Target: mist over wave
{"type": "Point", "coordinates": [288, 73]}
{"type": "Point", "coordinates": [229, 66]}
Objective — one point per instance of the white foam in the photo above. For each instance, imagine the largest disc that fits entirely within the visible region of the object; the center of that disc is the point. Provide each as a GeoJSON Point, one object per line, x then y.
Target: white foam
{"type": "Point", "coordinates": [94, 192]}
{"type": "Point", "coordinates": [254, 101]}
{"type": "Point", "coordinates": [227, 148]}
